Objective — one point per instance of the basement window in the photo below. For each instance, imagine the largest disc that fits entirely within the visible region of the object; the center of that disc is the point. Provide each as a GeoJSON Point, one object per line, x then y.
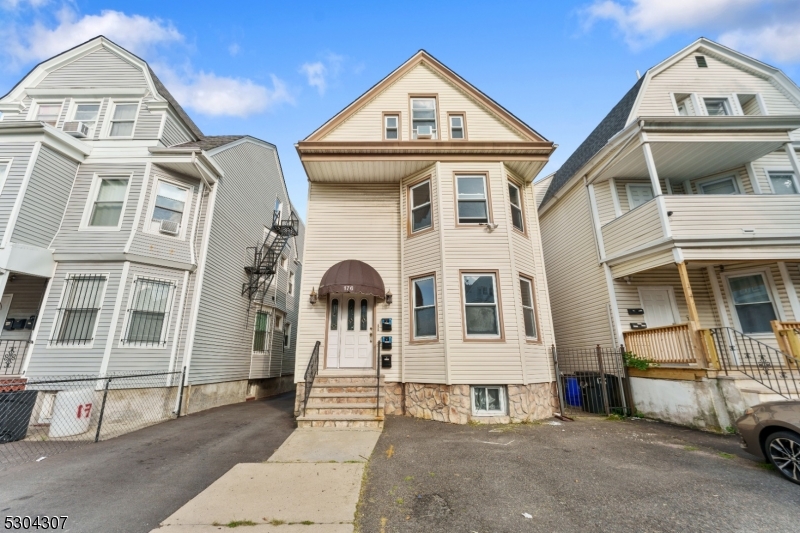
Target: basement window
{"type": "Point", "coordinates": [488, 400]}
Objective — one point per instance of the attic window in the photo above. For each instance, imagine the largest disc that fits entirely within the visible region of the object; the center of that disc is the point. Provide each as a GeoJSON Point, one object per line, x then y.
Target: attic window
{"type": "Point", "coordinates": [701, 61]}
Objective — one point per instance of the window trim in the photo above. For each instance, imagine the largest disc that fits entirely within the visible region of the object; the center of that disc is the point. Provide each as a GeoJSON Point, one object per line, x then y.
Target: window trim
{"type": "Point", "coordinates": [423, 340]}
{"type": "Point", "coordinates": [73, 108]}
{"type": "Point", "coordinates": [503, 401]}
{"type": "Point", "coordinates": [481, 338]}
{"type": "Point", "coordinates": [409, 207]}
{"type": "Point", "coordinates": [109, 119]}
{"type": "Point", "coordinates": [279, 204]}
{"type": "Point", "coordinates": [399, 125]}
{"type": "Point", "coordinates": [278, 317]}
{"type": "Point", "coordinates": [185, 221]}
{"type": "Point", "coordinates": [463, 116]}
{"type": "Point", "coordinates": [417, 96]}
{"type": "Point", "coordinates": [91, 199]}
{"type": "Point", "coordinates": [290, 283]}
{"type": "Point", "coordinates": [487, 183]}
{"type": "Point", "coordinates": [283, 262]}
{"type": "Point", "coordinates": [267, 332]}
{"type": "Point", "coordinates": [287, 335]}
{"type": "Point", "coordinates": [56, 319]}
{"type": "Point", "coordinates": [698, 184]}
{"type": "Point", "coordinates": [779, 170]}
{"type": "Point", "coordinates": [33, 112]}
{"type": "Point", "coordinates": [772, 292]}
{"type": "Point", "coordinates": [733, 110]}
{"type": "Point", "coordinates": [521, 189]}
{"type": "Point", "coordinates": [628, 193]}
{"type": "Point", "coordinates": [121, 343]}
{"type": "Point", "coordinates": [538, 338]}
{"type": "Point", "coordinates": [4, 175]}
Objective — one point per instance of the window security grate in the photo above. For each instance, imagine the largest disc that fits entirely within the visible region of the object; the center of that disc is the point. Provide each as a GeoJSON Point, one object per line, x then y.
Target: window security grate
{"type": "Point", "coordinates": [148, 314]}
{"type": "Point", "coordinates": [77, 315]}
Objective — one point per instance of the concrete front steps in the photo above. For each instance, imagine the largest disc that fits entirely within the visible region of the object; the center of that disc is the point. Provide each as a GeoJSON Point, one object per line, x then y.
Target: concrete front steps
{"type": "Point", "coordinates": [342, 400]}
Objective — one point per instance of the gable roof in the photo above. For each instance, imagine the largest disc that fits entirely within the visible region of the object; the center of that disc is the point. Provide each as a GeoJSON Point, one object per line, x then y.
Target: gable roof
{"type": "Point", "coordinates": [210, 142]}
{"type": "Point", "coordinates": [159, 86]}
{"type": "Point", "coordinates": [423, 57]}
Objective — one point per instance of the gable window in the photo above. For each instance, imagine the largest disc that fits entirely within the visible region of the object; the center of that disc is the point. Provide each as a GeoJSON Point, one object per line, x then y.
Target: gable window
{"type": "Point", "coordinates": [149, 312]}
{"type": "Point", "coordinates": [109, 202]}
{"type": "Point", "coordinates": [457, 130]}
{"type": "Point", "coordinates": [528, 312]}
{"type": "Point", "coordinates": [287, 335]}
{"type": "Point", "coordinates": [481, 316]}
{"type": "Point", "coordinates": [260, 332]}
{"type": "Point", "coordinates": [488, 400]}
{"type": "Point", "coordinates": [423, 118]}
{"type": "Point", "coordinates": [87, 113]}
{"type": "Point", "coordinates": [169, 208]}
{"type": "Point", "coordinates": [701, 61]}
{"type": "Point", "coordinates": [752, 301]}
{"type": "Point", "coordinates": [48, 112]}
{"type": "Point", "coordinates": [717, 106]}
{"type": "Point", "coordinates": [420, 206]}
{"type": "Point", "coordinates": [76, 315]}
{"type": "Point", "coordinates": [123, 118]}
{"type": "Point", "coordinates": [783, 182]}
{"type": "Point", "coordinates": [391, 127]}
{"type": "Point", "coordinates": [290, 289]}
{"type": "Point", "coordinates": [638, 194]}
{"type": "Point", "coordinates": [515, 199]}
{"type": "Point", "coordinates": [424, 307]}
{"type": "Point", "coordinates": [472, 203]}
{"type": "Point", "coordinates": [726, 185]}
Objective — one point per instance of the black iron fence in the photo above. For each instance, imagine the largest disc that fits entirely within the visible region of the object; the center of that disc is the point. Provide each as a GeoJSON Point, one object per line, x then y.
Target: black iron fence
{"type": "Point", "coordinates": [592, 380]}
{"type": "Point", "coordinates": [41, 417]}
{"type": "Point", "coordinates": [12, 355]}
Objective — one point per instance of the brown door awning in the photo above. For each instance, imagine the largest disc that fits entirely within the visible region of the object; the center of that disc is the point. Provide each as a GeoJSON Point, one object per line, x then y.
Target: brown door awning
{"type": "Point", "coordinates": [352, 276]}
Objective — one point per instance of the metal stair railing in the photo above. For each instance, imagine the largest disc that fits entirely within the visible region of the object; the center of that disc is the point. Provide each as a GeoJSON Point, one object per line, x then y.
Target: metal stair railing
{"type": "Point", "coordinates": [262, 270]}
{"type": "Point", "coordinates": [762, 363]}
{"type": "Point", "coordinates": [311, 374]}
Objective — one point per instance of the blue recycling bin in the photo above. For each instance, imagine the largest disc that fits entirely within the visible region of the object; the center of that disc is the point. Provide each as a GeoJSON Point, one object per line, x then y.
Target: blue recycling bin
{"type": "Point", "coordinates": [572, 391]}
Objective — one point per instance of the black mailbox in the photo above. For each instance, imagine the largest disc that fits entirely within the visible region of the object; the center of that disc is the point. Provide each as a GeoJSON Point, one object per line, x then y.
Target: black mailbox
{"type": "Point", "coordinates": [9, 324]}
{"type": "Point", "coordinates": [386, 324]}
{"type": "Point", "coordinates": [638, 325]}
{"type": "Point", "coordinates": [31, 322]}
{"type": "Point", "coordinates": [636, 311]}
{"type": "Point", "coordinates": [386, 360]}
{"type": "Point", "coordinates": [386, 343]}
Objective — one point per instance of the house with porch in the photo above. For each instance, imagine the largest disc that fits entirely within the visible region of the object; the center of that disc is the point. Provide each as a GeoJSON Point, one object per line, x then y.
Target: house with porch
{"type": "Point", "coordinates": [674, 230]}
{"type": "Point", "coordinates": [131, 242]}
{"type": "Point", "coordinates": [424, 291]}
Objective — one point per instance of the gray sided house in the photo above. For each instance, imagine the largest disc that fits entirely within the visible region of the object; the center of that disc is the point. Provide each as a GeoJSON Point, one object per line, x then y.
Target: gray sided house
{"type": "Point", "coordinates": [126, 236]}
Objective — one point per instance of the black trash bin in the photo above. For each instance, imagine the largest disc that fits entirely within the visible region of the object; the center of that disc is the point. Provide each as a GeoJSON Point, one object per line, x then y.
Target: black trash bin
{"type": "Point", "coordinates": [15, 414]}
{"type": "Point", "coordinates": [592, 392]}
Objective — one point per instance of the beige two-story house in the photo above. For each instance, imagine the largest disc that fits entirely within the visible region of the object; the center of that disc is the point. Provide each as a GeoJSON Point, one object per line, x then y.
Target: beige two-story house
{"type": "Point", "coordinates": [674, 229]}
{"type": "Point", "coordinates": [423, 243]}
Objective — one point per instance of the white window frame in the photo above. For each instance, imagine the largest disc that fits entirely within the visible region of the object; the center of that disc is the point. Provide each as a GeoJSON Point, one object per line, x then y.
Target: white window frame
{"type": "Point", "coordinates": [279, 320]}
{"type": "Point", "coordinates": [778, 170]}
{"type": "Point", "coordinates": [698, 184]}
{"type": "Point", "coordinates": [463, 126]}
{"type": "Point", "coordinates": [503, 404]}
{"type": "Point", "coordinates": [520, 206]}
{"type": "Point", "coordinates": [185, 220]}
{"type": "Point", "coordinates": [413, 207]}
{"type": "Point", "coordinates": [485, 199]}
{"type": "Point", "coordinates": [529, 281]}
{"type": "Point", "coordinates": [732, 109]}
{"type": "Point", "coordinates": [109, 119]}
{"type": "Point", "coordinates": [5, 173]}
{"type": "Point", "coordinates": [415, 307]}
{"type": "Point", "coordinates": [267, 332]}
{"type": "Point", "coordinates": [284, 262]}
{"type": "Point", "coordinates": [73, 109]}
{"type": "Point", "coordinates": [57, 319]}
{"type": "Point", "coordinates": [33, 112]}
{"type": "Point", "coordinates": [435, 132]}
{"type": "Point", "coordinates": [167, 323]}
{"type": "Point", "coordinates": [464, 306]}
{"type": "Point", "coordinates": [386, 127]}
{"type": "Point", "coordinates": [94, 190]}
{"type": "Point", "coordinates": [772, 292]}
{"type": "Point", "coordinates": [287, 335]}
{"type": "Point", "coordinates": [290, 284]}
{"type": "Point", "coordinates": [628, 192]}
{"type": "Point", "coordinates": [278, 208]}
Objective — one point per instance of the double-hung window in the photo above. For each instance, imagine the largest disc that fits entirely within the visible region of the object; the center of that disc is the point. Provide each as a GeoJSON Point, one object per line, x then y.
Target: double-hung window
{"type": "Point", "coordinates": [261, 332]}
{"type": "Point", "coordinates": [472, 203]}
{"type": "Point", "coordinates": [287, 335]}
{"type": "Point", "coordinates": [420, 200]}
{"type": "Point", "coordinates": [781, 182]}
{"type": "Point", "coordinates": [457, 127]}
{"type": "Point", "coordinates": [108, 204]}
{"type": "Point", "coordinates": [290, 289]}
{"type": "Point", "coordinates": [391, 127]}
{"type": "Point", "coordinates": [481, 313]}
{"type": "Point", "coordinates": [717, 106]}
{"type": "Point", "coordinates": [488, 400]}
{"type": "Point", "coordinates": [87, 113]}
{"type": "Point", "coordinates": [123, 118]}
{"type": "Point", "coordinates": [77, 314]}
{"type": "Point", "coordinates": [278, 322]}
{"type": "Point", "coordinates": [169, 209]}
{"type": "Point", "coordinates": [423, 118]}
{"type": "Point", "coordinates": [515, 199]}
{"type": "Point", "coordinates": [148, 314]}
{"type": "Point", "coordinates": [48, 112]}
{"type": "Point", "coordinates": [424, 308]}
{"type": "Point", "coordinates": [528, 310]}
{"type": "Point", "coordinates": [753, 304]}
{"type": "Point", "coordinates": [719, 186]}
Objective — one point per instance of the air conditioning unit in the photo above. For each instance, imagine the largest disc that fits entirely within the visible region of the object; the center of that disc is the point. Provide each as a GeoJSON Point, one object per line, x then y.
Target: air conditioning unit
{"type": "Point", "coordinates": [424, 132]}
{"type": "Point", "coordinates": [169, 226]}
{"type": "Point", "coordinates": [76, 129]}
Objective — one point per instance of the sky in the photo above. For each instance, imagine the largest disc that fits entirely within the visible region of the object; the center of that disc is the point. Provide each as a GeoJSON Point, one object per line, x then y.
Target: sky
{"type": "Point", "coordinates": [277, 70]}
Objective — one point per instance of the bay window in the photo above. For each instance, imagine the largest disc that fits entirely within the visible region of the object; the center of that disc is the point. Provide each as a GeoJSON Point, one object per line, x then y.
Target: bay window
{"type": "Point", "coordinates": [472, 200]}
{"type": "Point", "coordinates": [424, 301]}
{"type": "Point", "coordinates": [481, 311]}
{"type": "Point", "coordinates": [420, 203]}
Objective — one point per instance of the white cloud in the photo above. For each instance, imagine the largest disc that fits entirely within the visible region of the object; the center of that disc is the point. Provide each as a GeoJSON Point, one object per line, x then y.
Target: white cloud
{"type": "Point", "coordinates": [316, 74]}
{"type": "Point", "coordinates": [13, 5]}
{"type": "Point", "coordinates": [234, 49]}
{"type": "Point", "coordinates": [780, 42]}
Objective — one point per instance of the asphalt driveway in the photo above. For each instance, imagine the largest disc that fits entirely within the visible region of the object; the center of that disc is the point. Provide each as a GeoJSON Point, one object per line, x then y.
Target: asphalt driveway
{"type": "Point", "coordinates": [588, 475]}
{"type": "Point", "coordinates": [131, 483]}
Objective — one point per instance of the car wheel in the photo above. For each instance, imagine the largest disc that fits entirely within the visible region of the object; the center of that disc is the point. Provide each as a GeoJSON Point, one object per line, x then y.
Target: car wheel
{"type": "Point", "coordinates": [783, 451]}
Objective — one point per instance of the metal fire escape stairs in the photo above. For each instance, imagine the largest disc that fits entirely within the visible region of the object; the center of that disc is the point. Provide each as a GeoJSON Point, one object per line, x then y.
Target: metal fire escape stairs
{"type": "Point", "coordinates": [264, 257]}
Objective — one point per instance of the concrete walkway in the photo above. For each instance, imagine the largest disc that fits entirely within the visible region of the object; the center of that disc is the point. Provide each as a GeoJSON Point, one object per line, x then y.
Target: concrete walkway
{"type": "Point", "coordinates": [311, 483]}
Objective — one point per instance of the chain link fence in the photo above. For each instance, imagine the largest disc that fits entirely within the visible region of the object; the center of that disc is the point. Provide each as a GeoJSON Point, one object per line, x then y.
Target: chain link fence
{"type": "Point", "coordinates": [44, 416]}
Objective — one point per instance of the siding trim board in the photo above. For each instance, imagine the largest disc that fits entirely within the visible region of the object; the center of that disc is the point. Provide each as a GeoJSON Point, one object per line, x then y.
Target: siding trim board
{"type": "Point", "coordinates": [114, 319]}
{"type": "Point", "coordinates": [12, 219]}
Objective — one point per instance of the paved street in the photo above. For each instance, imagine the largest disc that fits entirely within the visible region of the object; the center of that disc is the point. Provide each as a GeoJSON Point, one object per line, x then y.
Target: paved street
{"type": "Point", "coordinates": [131, 483]}
{"type": "Point", "coordinates": [589, 475]}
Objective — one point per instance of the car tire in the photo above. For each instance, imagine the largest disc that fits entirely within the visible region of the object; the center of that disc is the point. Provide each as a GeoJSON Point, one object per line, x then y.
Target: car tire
{"type": "Point", "coordinates": [783, 451]}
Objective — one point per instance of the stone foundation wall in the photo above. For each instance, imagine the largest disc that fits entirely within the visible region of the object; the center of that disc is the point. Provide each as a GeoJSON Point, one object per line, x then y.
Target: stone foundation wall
{"type": "Point", "coordinates": [451, 403]}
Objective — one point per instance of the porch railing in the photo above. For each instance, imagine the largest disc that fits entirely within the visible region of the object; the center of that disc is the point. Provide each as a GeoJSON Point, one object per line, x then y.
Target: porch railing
{"type": "Point", "coordinates": [678, 344]}
{"type": "Point", "coordinates": [311, 374]}
{"type": "Point", "coordinates": [788, 336]}
{"type": "Point", "coordinates": [12, 355]}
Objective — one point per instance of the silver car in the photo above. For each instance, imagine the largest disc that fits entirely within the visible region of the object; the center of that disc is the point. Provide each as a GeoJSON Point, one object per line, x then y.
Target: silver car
{"type": "Point", "coordinates": [772, 431]}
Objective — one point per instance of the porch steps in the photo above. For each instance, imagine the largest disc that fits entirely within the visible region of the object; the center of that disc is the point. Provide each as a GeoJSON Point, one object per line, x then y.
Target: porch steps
{"type": "Point", "coordinates": [338, 400]}
{"type": "Point", "coordinates": [752, 392]}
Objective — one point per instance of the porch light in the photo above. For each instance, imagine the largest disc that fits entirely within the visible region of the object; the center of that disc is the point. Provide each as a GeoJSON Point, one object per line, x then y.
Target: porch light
{"type": "Point", "coordinates": [388, 297]}
{"type": "Point", "coordinates": [313, 298]}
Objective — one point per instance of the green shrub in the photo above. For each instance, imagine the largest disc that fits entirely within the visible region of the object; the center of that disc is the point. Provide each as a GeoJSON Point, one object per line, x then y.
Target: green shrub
{"type": "Point", "coordinates": [634, 361]}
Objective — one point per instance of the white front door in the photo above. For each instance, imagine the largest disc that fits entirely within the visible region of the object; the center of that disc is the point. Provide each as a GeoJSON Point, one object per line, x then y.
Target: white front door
{"type": "Point", "coordinates": [349, 331]}
{"type": "Point", "coordinates": [659, 306]}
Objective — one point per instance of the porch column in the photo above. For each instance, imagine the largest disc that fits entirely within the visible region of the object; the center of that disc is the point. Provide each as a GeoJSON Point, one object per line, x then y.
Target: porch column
{"type": "Point", "coordinates": [687, 292]}
{"type": "Point", "coordinates": [3, 281]}
{"type": "Point", "coordinates": [659, 195]}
